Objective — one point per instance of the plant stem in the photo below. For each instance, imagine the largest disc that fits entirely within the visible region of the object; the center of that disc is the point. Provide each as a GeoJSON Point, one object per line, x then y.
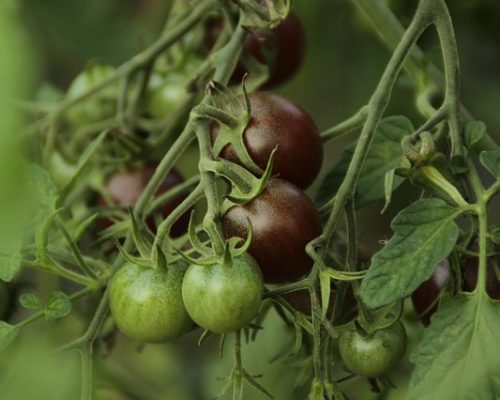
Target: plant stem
{"type": "Point", "coordinates": [354, 122]}
{"type": "Point", "coordinates": [391, 31]}
{"type": "Point", "coordinates": [376, 108]}
{"type": "Point", "coordinates": [166, 225]}
{"type": "Point", "coordinates": [448, 42]}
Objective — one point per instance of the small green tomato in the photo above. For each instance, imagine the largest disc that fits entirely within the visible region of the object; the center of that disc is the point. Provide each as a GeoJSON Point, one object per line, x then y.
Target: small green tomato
{"type": "Point", "coordinates": [223, 298]}
{"type": "Point", "coordinates": [99, 107]}
{"type": "Point", "coordinates": [372, 355]}
{"type": "Point", "coordinates": [146, 303]}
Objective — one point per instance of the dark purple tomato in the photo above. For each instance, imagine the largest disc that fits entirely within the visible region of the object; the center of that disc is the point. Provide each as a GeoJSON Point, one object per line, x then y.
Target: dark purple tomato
{"type": "Point", "coordinates": [283, 220]}
{"type": "Point", "coordinates": [282, 48]}
{"type": "Point", "coordinates": [278, 122]}
{"type": "Point", "coordinates": [125, 188]}
{"type": "Point", "coordinates": [470, 270]}
{"type": "Point", "coordinates": [425, 298]}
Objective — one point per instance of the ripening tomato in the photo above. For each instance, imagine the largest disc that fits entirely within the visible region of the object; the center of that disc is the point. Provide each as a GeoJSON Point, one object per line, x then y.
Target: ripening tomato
{"type": "Point", "coordinates": [425, 297]}
{"type": "Point", "coordinates": [282, 49]}
{"type": "Point", "coordinates": [283, 221]}
{"type": "Point", "coordinates": [470, 270]}
{"type": "Point", "coordinates": [125, 188]}
{"type": "Point", "coordinates": [277, 122]}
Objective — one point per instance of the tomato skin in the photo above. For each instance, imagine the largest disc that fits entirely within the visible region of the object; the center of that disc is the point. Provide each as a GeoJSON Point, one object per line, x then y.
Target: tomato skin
{"type": "Point", "coordinates": [427, 293]}
{"type": "Point", "coordinates": [286, 43]}
{"type": "Point", "coordinates": [283, 221]}
{"type": "Point", "coordinates": [223, 298]}
{"type": "Point", "coordinates": [278, 122]}
{"type": "Point", "coordinates": [146, 303]}
{"type": "Point", "coordinates": [470, 272]}
{"type": "Point", "coordinates": [125, 188]}
{"type": "Point", "coordinates": [372, 355]}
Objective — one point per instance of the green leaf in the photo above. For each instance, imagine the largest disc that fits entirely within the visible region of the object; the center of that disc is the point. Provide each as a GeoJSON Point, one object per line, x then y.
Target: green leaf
{"type": "Point", "coordinates": [43, 189]}
{"type": "Point", "coordinates": [58, 306]}
{"type": "Point", "coordinates": [424, 234]}
{"type": "Point", "coordinates": [8, 334]}
{"type": "Point", "coordinates": [10, 256]}
{"type": "Point", "coordinates": [385, 155]}
{"type": "Point", "coordinates": [324, 279]}
{"type": "Point", "coordinates": [457, 358]}
{"type": "Point", "coordinates": [388, 188]}
{"type": "Point", "coordinates": [491, 161]}
{"type": "Point", "coordinates": [473, 133]}
{"type": "Point", "coordinates": [30, 301]}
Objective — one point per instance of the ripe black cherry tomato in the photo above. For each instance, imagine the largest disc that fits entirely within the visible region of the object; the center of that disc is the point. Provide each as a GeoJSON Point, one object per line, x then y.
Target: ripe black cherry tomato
{"type": "Point", "coordinates": [470, 270]}
{"type": "Point", "coordinates": [372, 355]}
{"type": "Point", "coordinates": [125, 187]}
{"type": "Point", "coordinates": [425, 298]}
{"type": "Point", "coordinates": [282, 49]}
{"type": "Point", "coordinates": [277, 122]}
{"type": "Point", "coordinates": [283, 220]}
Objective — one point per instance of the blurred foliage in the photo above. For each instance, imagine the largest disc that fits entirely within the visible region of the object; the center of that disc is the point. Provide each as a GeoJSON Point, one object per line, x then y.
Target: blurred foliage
{"type": "Point", "coordinates": [344, 61]}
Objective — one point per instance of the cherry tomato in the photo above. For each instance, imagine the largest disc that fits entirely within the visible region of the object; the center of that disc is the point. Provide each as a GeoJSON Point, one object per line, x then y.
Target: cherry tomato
{"type": "Point", "coordinates": [125, 187]}
{"type": "Point", "coordinates": [167, 91]}
{"type": "Point", "coordinates": [98, 108]}
{"type": "Point", "coordinates": [223, 298]}
{"type": "Point", "coordinates": [283, 221]}
{"type": "Point", "coordinates": [278, 122]}
{"type": "Point", "coordinates": [372, 355]}
{"type": "Point", "coordinates": [425, 298]}
{"type": "Point", "coordinates": [282, 49]}
{"type": "Point", "coordinates": [470, 270]}
{"type": "Point", "coordinates": [146, 303]}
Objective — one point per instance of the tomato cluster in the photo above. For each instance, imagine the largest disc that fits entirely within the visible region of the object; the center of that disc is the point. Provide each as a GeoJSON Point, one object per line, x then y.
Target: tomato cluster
{"type": "Point", "coordinates": [224, 294]}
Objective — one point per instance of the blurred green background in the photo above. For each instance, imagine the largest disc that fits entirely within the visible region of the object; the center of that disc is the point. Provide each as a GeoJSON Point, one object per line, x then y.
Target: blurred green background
{"type": "Point", "coordinates": [45, 44]}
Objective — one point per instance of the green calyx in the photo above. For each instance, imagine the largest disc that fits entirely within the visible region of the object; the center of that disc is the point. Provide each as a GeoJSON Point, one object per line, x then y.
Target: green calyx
{"type": "Point", "coordinates": [233, 248]}
{"type": "Point", "coordinates": [233, 117]}
{"type": "Point", "coordinates": [267, 15]}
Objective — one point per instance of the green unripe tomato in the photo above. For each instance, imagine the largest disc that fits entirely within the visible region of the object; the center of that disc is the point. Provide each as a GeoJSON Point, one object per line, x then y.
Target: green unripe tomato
{"type": "Point", "coordinates": [101, 106]}
{"type": "Point", "coordinates": [146, 303]}
{"type": "Point", "coordinates": [372, 355]}
{"type": "Point", "coordinates": [223, 298]}
{"type": "Point", "coordinates": [167, 91]}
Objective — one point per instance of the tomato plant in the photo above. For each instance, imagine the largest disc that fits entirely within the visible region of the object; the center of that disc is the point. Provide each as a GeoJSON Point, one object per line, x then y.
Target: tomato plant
{"type": "Point", "coordinates": [97, 224]}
